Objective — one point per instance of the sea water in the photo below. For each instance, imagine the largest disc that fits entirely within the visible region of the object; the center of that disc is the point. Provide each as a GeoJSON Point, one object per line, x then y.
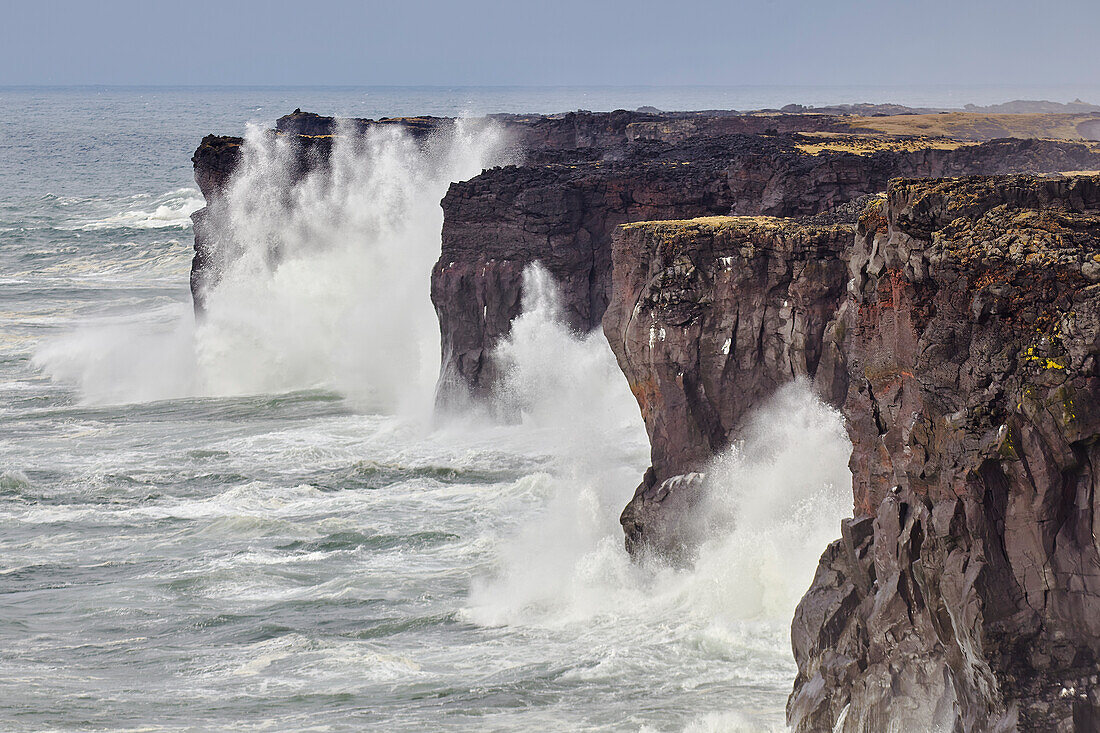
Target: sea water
{"type": "Point", "coordinates": [254, 522]}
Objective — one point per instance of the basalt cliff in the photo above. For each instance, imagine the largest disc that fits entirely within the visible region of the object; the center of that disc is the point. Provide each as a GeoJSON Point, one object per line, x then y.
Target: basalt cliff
{"type": "Point", "coordinates": [564, 214]}
{"type": "Point", "coordinates": [958, 330]}
{"type": "Point", "coordinates": [586, 173]}
{"type": "Point", "coordinates": [953, 322]}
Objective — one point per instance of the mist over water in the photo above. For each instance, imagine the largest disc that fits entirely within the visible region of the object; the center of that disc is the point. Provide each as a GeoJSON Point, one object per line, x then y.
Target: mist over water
{"type": "Point", "coordinates": [322, 283]}
{"type": "Point", "coordinates": [244, 523]}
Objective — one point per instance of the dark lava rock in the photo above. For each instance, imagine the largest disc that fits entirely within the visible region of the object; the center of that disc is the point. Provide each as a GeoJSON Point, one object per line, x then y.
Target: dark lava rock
{"type": "Point", "coordinates": [959, 331]}
{"type": "Point", "coordinates": [971, 341]}
{"type": "Point", "coordinates": [708, 318]}
{"type": "Point", "coordinates": [564, 215]}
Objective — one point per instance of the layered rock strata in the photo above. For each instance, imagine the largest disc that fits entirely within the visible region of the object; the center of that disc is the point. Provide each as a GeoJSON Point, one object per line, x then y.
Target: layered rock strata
{"type": "Point", "coordinates": [959, 332]}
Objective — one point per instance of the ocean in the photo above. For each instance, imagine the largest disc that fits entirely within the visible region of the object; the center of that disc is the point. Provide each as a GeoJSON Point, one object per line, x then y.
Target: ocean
{"type": "Point", "coordinates": [256, 522]}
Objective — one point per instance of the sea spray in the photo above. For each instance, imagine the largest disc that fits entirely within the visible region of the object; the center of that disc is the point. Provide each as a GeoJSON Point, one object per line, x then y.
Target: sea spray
{"type": "Point", "coordinates": [574, 401]}
{"type": "Point", "coordinates": [563, 383]}
{"type": "Point", "coordinates": [776, 500]}
{"type": "Point", "coordinates": [561, 607]}
{"type": "Point", "coordinates": [322, 280]}
{"type": "Point", "coordinates": [169, 211]}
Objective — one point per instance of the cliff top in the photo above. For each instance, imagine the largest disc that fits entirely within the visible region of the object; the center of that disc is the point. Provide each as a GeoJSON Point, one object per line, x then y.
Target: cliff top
{"type": "Point", "coordinates": [816, 143]}
{"type": "Point", "coordinates": [982, 126]}
{"type": "Point", "coordinates": [920, 207]}
{"type": "Point", "coordinates": [676, 234]}
{"type": "Point", "coordinates": [1011, 231]}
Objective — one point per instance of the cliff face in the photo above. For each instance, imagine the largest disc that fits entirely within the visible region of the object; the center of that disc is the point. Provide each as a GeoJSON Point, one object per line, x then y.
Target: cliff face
{"type": "Point", "coordinates": [215, 161]}
{"type": "Point", "coordinates": [959, 331]}
{"type": "Point", "coordinates": [958, 328]}
{"type": "Point", "coordinates": [586, 173]}
{"type": "Point", "coordinates": [967, 590]}
{"type": "Point", "coordinates": [564, 215]}
{"type": "Point", "coordinates": [708, 318]}
{"type": "Point", "coordinates": [782, 185]}
{"type": "Point", "coordinates": [560, 215]}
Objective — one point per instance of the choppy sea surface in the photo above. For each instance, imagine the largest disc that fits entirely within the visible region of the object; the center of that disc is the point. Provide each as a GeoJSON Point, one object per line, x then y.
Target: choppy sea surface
{"type": "Point", "coordinates": [254, 522]}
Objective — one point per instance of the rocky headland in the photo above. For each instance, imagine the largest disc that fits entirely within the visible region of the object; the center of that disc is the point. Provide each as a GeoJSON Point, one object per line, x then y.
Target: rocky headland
{"type": "Point", "coordinates": [957, 327]}
{"type": "Point", "coordinates": [953, 321]}
{"type": "Point", "coordinates": [564, 214]}
{"type": "Point", "coordinates": [585, 173]}
{"type": "Point", "coordinates": [708, 318]}
{"type": "Point", "coordinates": [966, 590]}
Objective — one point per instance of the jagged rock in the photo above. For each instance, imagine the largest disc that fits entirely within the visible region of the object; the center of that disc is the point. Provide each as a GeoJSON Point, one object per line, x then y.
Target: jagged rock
{"type": "Point", "coordinates": [565, 214]}
{"type": "Point", "coordinates": [664, 513]}
{"type": "Point", "coordinates": [971, 341]}
{"type": "Point", "coordinates": [965, 594]}
{"type": "Point", "coordinates": [586, 173]}
{"type": "Point", "coordinates": [708, 318]}
{"type": "Point", "coordinates": [562, 216]}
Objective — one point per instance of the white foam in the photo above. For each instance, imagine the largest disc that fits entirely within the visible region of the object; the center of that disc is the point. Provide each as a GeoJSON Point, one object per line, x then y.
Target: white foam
{"type": "Point", "coordinates": [322, 283]}
{"type": "Point", "coordinates": [171, 211]}
{"type": "Point", "coordinates": [779, 497]}
{"type": "Point", "coordinates": [729, 722]}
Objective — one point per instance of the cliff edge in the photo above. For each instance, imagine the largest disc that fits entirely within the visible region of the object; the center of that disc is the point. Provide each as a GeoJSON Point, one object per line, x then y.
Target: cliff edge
{"type": "Point", "coordinates": [957, 326]}
{"type": "Point", "coordinates": [966, 591]}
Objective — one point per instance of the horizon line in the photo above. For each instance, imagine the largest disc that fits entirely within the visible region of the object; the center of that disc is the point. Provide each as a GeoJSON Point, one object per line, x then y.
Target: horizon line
{"type": "Point", "coordinates": [548, 86]}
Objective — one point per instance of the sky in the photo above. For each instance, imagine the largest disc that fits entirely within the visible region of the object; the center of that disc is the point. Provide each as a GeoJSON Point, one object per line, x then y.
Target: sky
{"type": "Point", "coordinates": [551, 42]}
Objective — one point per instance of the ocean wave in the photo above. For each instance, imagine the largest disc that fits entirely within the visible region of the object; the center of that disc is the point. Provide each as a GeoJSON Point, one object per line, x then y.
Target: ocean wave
{"type": "Point", "coordinates": [169, 211]}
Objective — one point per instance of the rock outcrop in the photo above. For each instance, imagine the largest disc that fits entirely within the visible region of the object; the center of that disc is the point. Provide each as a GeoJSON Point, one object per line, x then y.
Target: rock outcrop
{"type": "Point", "coordinates": [215, 161]}
{"type": "Point", "coordinates": [564, 215]}
{"type": "Point", "coordinates": [585, 173]}
{"type": "Point", "coordinates": [959, 332]}
{"type": "Point", "coordinates": [561, 215]}
{"type": "Point", "coordinates": [709, 317]}
{"type": "Point", "coordinates": [956, 324]}
{"type": "Point", "coordinates": [966, 592]}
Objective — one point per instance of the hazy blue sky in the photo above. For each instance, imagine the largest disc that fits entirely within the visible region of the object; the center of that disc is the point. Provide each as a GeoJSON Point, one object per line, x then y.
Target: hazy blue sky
{"type": "Point", "coordinates": [568, 42]}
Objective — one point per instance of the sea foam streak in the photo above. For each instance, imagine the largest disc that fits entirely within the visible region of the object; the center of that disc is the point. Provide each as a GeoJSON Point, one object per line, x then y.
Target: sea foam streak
{"type": "Point", "coordinates": [171, 211]}
{"type": "Point", "coordinates": [323, 283]}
